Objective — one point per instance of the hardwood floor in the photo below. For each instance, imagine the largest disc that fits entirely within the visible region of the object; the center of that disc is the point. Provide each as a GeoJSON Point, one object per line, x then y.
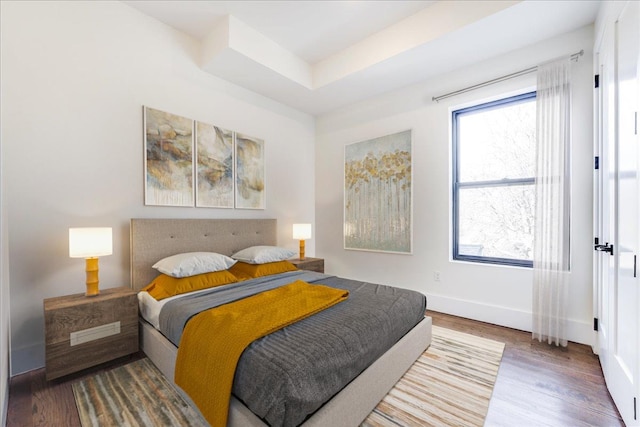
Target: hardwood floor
{"type": "Point", "coordinates": [34, 401]}
{"type": "Point", "coordinates": [537, 385]}
{"type": "Point", "coordinates": [541, 385]}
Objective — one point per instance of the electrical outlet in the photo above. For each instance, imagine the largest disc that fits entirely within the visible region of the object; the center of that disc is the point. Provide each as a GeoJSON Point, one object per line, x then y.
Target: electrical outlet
{"type": "Point", "coordinates": [436, 276]}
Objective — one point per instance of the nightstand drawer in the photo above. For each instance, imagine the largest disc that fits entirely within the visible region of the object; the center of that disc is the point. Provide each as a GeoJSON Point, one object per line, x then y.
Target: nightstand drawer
{"type": "Point", "coordinates": [311, 264]}
{"type": "Point", "coordinates": [105, 328]}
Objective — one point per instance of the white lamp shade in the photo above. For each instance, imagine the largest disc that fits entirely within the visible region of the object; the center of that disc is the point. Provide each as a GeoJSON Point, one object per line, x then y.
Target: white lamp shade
{"type": "Point", "coordinates": [89, 242]}
{"type": "Point", "coordinates": [301, 231]}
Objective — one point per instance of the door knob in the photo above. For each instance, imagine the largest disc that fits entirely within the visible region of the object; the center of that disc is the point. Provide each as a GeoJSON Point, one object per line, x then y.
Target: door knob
{"type": "Point", "coordinates": [604, 248]}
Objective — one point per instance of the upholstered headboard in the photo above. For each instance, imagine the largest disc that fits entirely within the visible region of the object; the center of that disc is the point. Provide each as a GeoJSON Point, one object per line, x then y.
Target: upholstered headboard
{"type": "Point", "coordinates": [154, 239]}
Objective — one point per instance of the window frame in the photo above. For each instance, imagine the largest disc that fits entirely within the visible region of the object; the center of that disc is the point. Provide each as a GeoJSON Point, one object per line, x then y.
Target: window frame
{"type": "Point", "coordinates": [457, 185]}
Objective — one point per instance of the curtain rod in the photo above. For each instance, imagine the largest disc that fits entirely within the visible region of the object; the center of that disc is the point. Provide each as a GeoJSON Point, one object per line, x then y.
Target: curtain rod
{"type": "Point", "coordinates": [573, 57]}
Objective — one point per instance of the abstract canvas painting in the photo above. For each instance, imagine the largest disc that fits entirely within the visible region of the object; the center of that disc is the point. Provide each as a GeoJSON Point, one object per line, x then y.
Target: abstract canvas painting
{"type": "Point", "coordinates": [378, 194]}
{"type": "Point", "coordinates": [168, 159]}
{"type": "Point", "coordinates": [250, 174]}
{"type": "Point", "coordinates": [214, 166]}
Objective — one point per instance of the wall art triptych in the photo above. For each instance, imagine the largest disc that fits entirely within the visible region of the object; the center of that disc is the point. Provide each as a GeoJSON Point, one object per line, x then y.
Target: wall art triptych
{"type": "Point", "coordinates": [378, 194]}
{"type": "Point", "coordinates": [189, 163]}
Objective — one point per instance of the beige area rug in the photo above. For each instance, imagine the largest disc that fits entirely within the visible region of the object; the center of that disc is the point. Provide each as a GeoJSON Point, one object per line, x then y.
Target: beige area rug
{"type": "Point", "coordinates": [449, 385]}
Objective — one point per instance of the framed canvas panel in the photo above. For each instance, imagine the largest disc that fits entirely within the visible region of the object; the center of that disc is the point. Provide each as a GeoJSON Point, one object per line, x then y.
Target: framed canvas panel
{"type": "Point", "coordinates": [378, 194]}
{"type": "Point", "coordinates": [168, 159]}
{"type": "Point", "coordinates": [250, 173]}
{"type": "Point", "coordinates": [214, 166]}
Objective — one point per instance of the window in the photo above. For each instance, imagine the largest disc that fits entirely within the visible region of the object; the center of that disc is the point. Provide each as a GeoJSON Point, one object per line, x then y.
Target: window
{"type": "Point", "coordinates": [494, 181]}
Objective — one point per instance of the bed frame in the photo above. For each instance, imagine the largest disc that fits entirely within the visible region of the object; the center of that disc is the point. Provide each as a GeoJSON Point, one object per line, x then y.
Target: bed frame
{"type": "Point", "coordinates": [154, 239]}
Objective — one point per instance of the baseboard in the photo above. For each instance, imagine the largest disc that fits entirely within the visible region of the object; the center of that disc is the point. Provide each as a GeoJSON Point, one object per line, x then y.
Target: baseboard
{"type": "Point", "coordinates": [578, 332]}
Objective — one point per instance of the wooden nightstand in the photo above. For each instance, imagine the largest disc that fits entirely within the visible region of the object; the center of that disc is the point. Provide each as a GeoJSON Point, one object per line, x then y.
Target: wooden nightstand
{"type": "Point", "coordinates": [82, 331]}
{"type": "Point", "coordinates": [312, 264]}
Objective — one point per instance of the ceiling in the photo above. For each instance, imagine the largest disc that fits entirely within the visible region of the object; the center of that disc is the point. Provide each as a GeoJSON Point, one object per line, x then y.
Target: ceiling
{"type": "Point", "coordinates": [317, 56]}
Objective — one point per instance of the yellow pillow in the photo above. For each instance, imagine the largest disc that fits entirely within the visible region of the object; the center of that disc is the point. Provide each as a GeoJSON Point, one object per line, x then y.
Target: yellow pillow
{"type": "Point", "coordinates": [165, 286]}
{"type": "Point", "coordinates": [244, 271]}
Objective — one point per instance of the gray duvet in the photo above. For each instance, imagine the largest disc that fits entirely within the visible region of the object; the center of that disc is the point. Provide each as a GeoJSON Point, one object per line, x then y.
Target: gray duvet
{"type": "Point", "coordinates": [286, 376]}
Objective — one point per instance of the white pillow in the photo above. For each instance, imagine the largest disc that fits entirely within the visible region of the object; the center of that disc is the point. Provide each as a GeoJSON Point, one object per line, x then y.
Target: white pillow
{"type": "Point", "coordinates": [263, 254]}
{"type": "Point", "coordinates": [193, 263]}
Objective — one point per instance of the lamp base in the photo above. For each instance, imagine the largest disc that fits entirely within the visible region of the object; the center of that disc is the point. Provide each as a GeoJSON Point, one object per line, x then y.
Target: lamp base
{"type": "Point", "coordinates": [301, 249]}
{"type": "Point", "coordinates": [92, 277]}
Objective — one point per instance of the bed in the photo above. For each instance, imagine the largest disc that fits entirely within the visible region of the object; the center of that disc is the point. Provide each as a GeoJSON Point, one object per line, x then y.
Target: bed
{"type": "Point", "coordinates": [154, 239]}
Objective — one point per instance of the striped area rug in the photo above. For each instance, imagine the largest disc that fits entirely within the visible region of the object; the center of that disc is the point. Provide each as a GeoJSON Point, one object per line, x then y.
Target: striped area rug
{"type": "Point", "coordinates": [133, 395]}
{"type": "Point", "coordinates": [449, 385]}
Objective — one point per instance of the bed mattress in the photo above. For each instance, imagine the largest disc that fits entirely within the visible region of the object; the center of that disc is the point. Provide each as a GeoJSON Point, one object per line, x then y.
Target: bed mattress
{"type": "Point", "coordinates": [286, 376]}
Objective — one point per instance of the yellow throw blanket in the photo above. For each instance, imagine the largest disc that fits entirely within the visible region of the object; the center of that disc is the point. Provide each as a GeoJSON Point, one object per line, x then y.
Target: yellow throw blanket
{"type": "Point", "coordinates": [214, 340]}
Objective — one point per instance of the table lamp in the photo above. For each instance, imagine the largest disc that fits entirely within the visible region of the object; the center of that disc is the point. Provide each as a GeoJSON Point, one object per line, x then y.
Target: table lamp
{"type": "Point", "coordinates": [301, 232]}
{"type": "Point", "coordinates": [90, 243]}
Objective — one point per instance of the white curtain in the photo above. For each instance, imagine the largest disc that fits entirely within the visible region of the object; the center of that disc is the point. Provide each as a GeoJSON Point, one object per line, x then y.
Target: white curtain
{"type": "Point", "coordinates": [553, 203]}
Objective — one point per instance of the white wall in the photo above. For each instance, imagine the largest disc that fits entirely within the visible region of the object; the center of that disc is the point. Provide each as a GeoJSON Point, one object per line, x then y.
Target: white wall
{"type": "Point", "coordinates": [74, 78]}
{"type": "Point", "coordinates": [4, 297]}
{"type": "Point", "coordinates": [496, 294]}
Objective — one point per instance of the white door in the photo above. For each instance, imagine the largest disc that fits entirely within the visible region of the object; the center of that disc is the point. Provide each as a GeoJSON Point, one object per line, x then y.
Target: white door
{"type": "Point", "coordinates": [619, 334]}
{"type": "Point", "coordinates": [604, 207]}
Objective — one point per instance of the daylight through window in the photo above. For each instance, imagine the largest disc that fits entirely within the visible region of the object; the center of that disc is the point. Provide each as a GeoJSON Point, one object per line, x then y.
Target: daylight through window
{"type": "Point", "coordinates": [493, 181]}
